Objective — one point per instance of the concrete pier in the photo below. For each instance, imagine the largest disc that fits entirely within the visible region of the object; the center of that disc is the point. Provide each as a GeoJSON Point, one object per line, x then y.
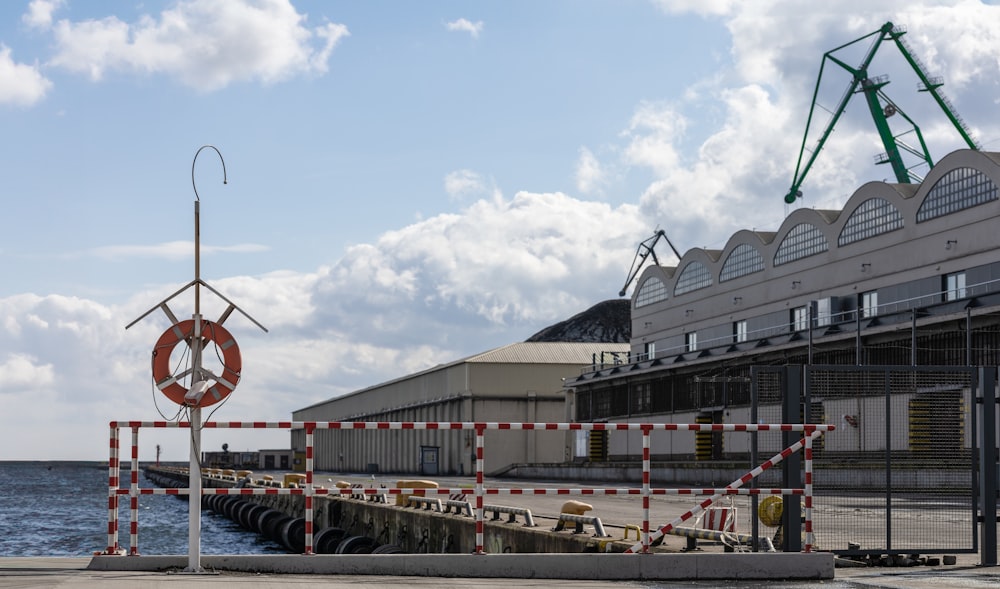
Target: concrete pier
{"type": "Point", "coordinates": [514, 549]}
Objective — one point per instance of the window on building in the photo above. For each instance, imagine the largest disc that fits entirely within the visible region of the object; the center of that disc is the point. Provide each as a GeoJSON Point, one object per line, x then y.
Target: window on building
{"type": "Point", "coordinates": [954, 286]}
{"type": "Point", "coordinates": [802, 241]}
{"type": "Point", "coordinates": [690, 341]}
{"type": "Point", "coordinates": [800, 318]}
{"type": "Point", "coordinates": [873, 217]}
{"type": "Point", "coordinates": [868, 304]}
{"type": "Point", "coordinates": [694, 276]}
{"type": "Point", "coordinates": [740, 331]}
{"type": "Point", "coordinates": [652, 291]}
{"type": "Point", "coordinates": [649, 350]}
{"type": "Point", "coordinates": [640, 398]}
{"type": "Point", "coordinates": [743, 260]}
{"type": "Point", "coordinates": [602, 403]}
{"type": "Point", "coordinates": [959, 189]}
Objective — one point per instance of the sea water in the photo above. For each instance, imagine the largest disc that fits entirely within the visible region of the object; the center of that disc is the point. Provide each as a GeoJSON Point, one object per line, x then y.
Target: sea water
{"type": "Point", "coordinates": [61, 509]}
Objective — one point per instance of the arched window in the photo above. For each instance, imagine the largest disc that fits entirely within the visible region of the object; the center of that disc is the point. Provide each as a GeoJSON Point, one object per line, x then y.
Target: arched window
{"type": "Point", "coordinates": [959, 189]}
{"type": "Point", "coordinates": [873, 217]}
{"type": "Point", "coordinates": [743, 260]}
{"type": "Point", "coordinates": [694, 276]}
{"type": "Point", "coordinates": [652, 291]}
{"type": "Point", "coordinates": [802, 241]}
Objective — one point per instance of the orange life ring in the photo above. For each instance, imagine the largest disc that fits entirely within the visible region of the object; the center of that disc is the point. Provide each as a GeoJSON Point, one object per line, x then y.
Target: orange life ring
{"type": "Point", "coordinates": [220, 385]}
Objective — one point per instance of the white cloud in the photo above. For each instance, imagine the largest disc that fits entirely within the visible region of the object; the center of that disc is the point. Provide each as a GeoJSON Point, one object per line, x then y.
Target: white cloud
{"type": "Point", "coordinates": [590, 175]}
{"type": "Point", "coordinates": [702, 7]}
{"type": "Point", "coordinates": [429, 293]}
{"type": "Point", "coordinates": [205, 44]}
{"type": "Point", "coordinates": [20, 84]}
{"type": "Point", "coordinates": [20, 371]}
{"type": "Point", "coordinates": [39, 14]}
{"type": "Point", "coordinates": [653, 137]}
{"type": "Point", "coordinates": [463, 183]}
{"type": "Point", "coordinates": [528, 261]}
{"type": "Point", "coordinates": [464, 25]}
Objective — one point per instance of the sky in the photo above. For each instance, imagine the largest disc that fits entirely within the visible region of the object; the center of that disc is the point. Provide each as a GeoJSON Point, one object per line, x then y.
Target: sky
{"type": "Point", "coordinates": [407, 183]}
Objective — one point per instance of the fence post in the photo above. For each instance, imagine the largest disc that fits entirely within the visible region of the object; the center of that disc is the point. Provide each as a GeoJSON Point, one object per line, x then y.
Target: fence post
{"type": "Point", "coordinates": [988, 457]}
{"type": "Point", "coordinates": [113, 484]}
{"type": "Point", "coordinates": [480, 490]}
{"type": "Point", "coordinates": [133, 496]}
{"type": "Point", "coordinates": [310, 430]}
{"type": "Point", "coordinates": [791, 405]}
{"type": "Point", "coordinates": [645, 487]}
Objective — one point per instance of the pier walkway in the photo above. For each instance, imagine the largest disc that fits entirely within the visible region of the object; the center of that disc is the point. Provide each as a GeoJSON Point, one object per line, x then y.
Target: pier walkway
{"type": "Point", "coordinates": [73, 573]}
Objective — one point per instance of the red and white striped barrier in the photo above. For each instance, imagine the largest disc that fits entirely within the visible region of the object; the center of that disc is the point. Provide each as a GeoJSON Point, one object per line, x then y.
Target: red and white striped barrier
{"type": "Point", "coordinates": [809, 431]}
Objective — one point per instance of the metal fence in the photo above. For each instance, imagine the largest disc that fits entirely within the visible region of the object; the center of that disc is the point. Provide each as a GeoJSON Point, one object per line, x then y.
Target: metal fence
{"type": "Point", "coordinates": [899, 476]}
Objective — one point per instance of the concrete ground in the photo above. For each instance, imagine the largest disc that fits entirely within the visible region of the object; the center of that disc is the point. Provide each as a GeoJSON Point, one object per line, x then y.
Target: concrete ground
{"type": "Point", "coordinates": [72, 573]}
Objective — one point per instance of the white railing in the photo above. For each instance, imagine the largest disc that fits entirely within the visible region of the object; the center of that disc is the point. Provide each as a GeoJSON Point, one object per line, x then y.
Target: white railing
{"type": "Point", "coordinates": [479, 491]}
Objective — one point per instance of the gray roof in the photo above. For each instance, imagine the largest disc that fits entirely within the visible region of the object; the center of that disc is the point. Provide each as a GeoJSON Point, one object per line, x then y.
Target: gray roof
{"type": "Point", "coordinates": [580, 354]}
{"type": "Point", "coordinates": [546, 353]}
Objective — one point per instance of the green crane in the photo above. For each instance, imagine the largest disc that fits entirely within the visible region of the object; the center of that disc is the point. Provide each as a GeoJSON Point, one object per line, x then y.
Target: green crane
{"type": "Point", "coordinates": [881, 108]}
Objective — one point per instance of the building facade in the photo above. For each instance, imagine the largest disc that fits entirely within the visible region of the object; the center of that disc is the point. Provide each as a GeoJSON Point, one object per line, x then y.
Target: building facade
{"type": "Point", "coordinates": [521, 382]}
{"type": "Point", "coordinates": [904, 274]}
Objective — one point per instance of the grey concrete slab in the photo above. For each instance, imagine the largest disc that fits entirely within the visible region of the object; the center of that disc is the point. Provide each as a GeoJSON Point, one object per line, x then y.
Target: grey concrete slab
{"type": "Point", "coordinates": [72, 573]}
{"type": "Point", "coordinates": [610, 567]}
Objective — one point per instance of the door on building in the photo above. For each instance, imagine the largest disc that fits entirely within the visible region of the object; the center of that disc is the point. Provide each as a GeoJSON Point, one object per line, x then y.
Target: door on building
{"type": "Point", "coordinates": [429, 459]}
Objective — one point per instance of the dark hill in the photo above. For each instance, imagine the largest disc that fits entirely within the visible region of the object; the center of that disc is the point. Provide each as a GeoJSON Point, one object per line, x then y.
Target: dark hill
{"type": "Point", "coordinates": [606, 322]}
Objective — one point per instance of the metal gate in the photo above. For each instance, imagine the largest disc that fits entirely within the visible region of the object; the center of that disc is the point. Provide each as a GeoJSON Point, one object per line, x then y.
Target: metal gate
{"type": "Point", "coordinates": [906, 468]}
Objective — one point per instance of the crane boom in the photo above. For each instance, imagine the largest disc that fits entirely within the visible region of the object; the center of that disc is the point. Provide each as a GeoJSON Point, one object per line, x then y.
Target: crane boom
{"type": "Point", "coordinates": [645, 250]}
{"type": "Point", "coordinates": [880, 107]}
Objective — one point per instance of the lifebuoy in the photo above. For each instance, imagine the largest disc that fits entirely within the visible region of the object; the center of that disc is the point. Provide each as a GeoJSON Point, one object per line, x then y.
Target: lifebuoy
{"type": "Point", "coordinates": [232, 362]}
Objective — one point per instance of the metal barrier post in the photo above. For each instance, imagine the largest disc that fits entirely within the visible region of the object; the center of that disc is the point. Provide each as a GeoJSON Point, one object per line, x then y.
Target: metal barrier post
{"type": "Point", "coordinates": [194, 484]}
{"type": "Point", "coordinates": [791, 517]}
{"type": "Point", "coordinates": [480, 433]}
{"type": "Point", "coordinates": [808, 489]}
{"type": "Point", "coordinates": [113, 490]}
{"type": "Point", "coordinates": [988, 457]}
{"type": "Point", "coordinates": [133, 496]}
{"type": "Point", "coordinates": [310, 428]}
{"type": "Point", "coordinates": [645, 488]}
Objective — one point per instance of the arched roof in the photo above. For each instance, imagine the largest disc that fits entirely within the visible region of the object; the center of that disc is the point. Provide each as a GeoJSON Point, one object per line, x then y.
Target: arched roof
{"type": "Point", "coordinates": [900, 202]}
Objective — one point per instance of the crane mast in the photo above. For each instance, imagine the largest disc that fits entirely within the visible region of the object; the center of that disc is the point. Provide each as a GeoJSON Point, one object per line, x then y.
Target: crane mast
{"type": "Point", "coordinates": [881, 108]}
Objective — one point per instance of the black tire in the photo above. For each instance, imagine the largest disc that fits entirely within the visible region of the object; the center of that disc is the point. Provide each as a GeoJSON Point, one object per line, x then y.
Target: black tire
{"type": "Point", "coordinates": [240, 512]}
{"type": "Point", "coordinates": [273, 529]}
{"type": "Point", "coordinates": [249, 516]}
{"type": "Point", "coordinates": [326, 540]}
{"type": "Point", "coordinates": [220, 504]}
{"type": "Point", "coordinates": [231, 506]}
{"type": "Point", "coordinates": [357, 545]}
{"type": "Point", "coordinates": [293, 535]}
{"type": "Point", "coordinates": [389, 549]}
{"type": "Point", "coordinates": [267, 522]}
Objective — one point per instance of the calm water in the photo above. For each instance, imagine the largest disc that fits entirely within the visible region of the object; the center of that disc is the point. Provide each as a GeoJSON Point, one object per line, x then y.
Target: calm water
{"type": "Point", "coordinates": [61, 509]}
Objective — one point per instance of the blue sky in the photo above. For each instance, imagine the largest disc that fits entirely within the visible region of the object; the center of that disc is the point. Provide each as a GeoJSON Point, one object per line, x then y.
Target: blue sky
{"type": "Point", "coordinates": [409, 182]}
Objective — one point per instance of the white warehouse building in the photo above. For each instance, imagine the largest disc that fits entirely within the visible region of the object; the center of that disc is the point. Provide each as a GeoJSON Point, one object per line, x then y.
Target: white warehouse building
{"type": "Point", "coordinates": [521, 382]}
